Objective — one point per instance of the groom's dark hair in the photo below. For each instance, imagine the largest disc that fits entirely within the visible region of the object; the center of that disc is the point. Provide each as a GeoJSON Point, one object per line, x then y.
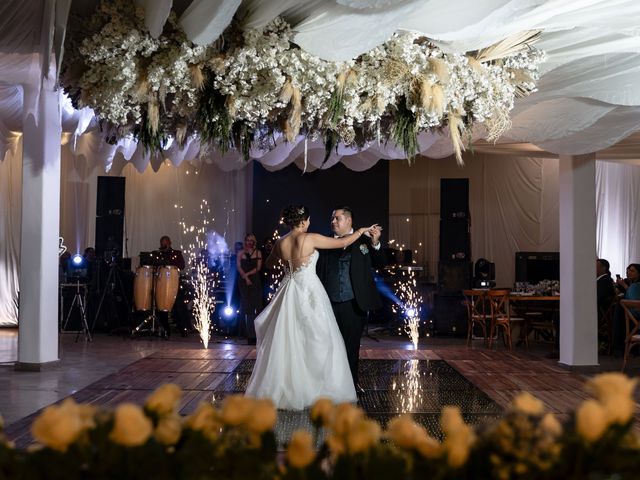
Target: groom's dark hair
{"type": "Point", "coordinates": [345, 209]}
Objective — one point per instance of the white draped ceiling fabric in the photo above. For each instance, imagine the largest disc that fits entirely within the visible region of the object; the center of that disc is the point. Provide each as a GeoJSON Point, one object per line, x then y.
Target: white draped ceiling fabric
{"type": "Point", "coordinates": [587, 100]}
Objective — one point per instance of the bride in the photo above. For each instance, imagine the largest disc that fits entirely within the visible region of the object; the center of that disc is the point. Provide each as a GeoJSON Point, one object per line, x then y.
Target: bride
{"type": "Point", "coordinates": [300, 353]}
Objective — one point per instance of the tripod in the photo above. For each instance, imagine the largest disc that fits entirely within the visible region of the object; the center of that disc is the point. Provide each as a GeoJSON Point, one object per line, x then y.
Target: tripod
{"type": "Point", "coordinates": [81, 300]}
{"type": "Point", "coordinates": [113, 279]}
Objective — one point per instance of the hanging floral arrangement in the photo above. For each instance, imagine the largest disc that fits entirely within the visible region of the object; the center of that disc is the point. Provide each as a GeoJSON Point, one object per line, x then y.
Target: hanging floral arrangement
{"type": "Point", "coordinates": [249, 85]}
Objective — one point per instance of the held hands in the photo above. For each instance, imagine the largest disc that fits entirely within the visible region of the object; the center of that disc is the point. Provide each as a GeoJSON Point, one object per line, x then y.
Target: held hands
{"type": "Point", "coordinates": [373, 232]}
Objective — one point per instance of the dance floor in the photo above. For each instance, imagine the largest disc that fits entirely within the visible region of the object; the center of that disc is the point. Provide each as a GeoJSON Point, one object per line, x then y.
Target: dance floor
{"type": "Point", "coordinates": [396, 378]}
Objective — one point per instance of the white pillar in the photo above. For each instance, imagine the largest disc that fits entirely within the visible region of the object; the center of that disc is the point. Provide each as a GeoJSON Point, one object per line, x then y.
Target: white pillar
{"type": "Point", "coordinates": [578, 312]}
{"type": "Point", "coordinates": [38, 315]}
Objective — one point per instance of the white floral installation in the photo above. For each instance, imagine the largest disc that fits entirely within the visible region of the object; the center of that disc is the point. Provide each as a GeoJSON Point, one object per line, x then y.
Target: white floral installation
{"type": "Point", "coordinates": [244, 87]}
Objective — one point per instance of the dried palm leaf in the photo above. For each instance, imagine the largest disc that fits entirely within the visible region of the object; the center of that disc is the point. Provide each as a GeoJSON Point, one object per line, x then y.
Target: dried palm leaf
{"type": "Point", "coordinates": [352, 77]}
{"type": "Point", "coordinates": [153, 115]}
{"type": "Point", "coordinates": [395, 71]}
{"type": "Point", "coordinates": [437, 100]}
{"type": "Point", "coordinates": [142, 87]}
{"type": "Point", "coordinates": [181, 133]}
{"type": "Point", "coordinates": [196, 76]}
{"type": "Point", "coordinates": [230, 105]}
{"type": "Point", "coordinates": [475, 64]}
{"type": "Point", "coordinates": [367, 105]}
{"type": "Point", "coordinates": [426, 93]}
{"type": "Point", "coordinates": [294, 121]}
{"type": "Point", "coordinates": [498, 123]}
{"type": "Point", "coordinates": [440, 69]}
{"type": "Point", "coordinates": [509, 46]}
{"type": "Point", "coordinates": [286, 92]}
{"type": "Point", "coordinates": [456, 127]}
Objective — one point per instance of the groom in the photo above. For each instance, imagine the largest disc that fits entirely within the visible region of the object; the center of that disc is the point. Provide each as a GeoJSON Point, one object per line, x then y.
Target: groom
{"type": "Point", "coordinates": [347, 275]}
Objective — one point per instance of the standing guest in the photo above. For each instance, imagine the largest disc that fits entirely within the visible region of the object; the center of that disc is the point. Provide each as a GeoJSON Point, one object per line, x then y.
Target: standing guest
{"type": "Point", "coordinates": [265, 273]}
{"type": "Point", "coordinates": [604, 283]}
{"type": "Point", "coordinates": [249, 264]}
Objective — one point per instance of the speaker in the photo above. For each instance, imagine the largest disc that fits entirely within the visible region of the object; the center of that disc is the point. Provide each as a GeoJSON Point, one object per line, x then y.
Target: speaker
{"type": "Point", "coordinates": [110, 216]}
{"type": "Point", "coordinates": [454, 198]}
{"type": "Point", "coordinates": [455, 239]}
{"type": "Point", "coordinates": [454, 275]}
{"type": "Point", "coordinates": [449, 315]}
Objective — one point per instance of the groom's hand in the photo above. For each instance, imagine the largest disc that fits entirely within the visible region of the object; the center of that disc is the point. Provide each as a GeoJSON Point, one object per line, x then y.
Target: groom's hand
{"type": "Point", "coordinates": [375, 233]}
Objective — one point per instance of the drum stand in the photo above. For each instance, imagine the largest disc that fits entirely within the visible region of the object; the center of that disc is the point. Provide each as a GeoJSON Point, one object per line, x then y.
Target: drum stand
{"type": "Point", "coordinates": [81, 300]}
{"type": "Point", "coordinates": [150, 321]}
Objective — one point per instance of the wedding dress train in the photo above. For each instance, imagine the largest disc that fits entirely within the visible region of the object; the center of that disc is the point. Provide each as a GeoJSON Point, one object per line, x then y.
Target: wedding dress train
{"type": "Point", "coordinates": [301, 354]}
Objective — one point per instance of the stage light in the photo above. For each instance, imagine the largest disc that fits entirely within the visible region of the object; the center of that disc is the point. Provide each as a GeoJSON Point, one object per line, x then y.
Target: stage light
{"type": "Point", "coordinates": [77, 269]}
{"type": "Point", "coordinates": [228, 311]}
{"type": "Point", "coordinates": [410, 312]}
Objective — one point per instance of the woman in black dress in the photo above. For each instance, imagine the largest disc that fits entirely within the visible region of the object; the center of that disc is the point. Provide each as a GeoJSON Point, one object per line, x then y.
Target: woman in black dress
{"type": "Point", "coordinates": [249, 264]}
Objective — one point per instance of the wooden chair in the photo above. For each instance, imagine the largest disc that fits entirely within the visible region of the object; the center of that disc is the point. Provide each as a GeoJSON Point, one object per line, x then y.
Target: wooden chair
{"type": "Point", "coordinates": [501, 316]}
{"type": "Point", "coordinates": [477, 310]}
{"type": "Point", "coordinates": [632, 324]}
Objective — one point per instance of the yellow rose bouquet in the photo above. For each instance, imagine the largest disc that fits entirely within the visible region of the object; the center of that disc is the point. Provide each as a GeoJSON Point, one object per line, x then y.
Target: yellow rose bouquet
{"type": "Point", "coordinates": [237, 441]}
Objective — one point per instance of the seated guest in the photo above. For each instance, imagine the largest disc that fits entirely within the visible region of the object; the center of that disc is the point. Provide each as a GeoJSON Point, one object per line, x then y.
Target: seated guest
{"type": "Point", "coordinates": [605, 291]}
{"type": "Point", "coordinates": [631, 288]}
{"type": "Point", "coordinates": [633, 276]}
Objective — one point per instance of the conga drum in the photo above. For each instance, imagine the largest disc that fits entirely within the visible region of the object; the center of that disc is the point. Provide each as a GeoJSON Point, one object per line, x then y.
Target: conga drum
{"type": "Point", "coordinates": [167, 282]}
{"type": "Point", "coordinates": [142, 284]}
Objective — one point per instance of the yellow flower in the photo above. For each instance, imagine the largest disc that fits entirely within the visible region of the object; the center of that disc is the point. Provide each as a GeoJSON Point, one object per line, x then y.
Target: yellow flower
{"type": "Point", "coordinates": [346, 415]}
{"type": "Point", "coordinates": [236, 410]}
{"type": "Point", "coordinates": [451, 420]}
{"type": "Point", "coordinates": [457, 453]}
{"type": "Point", "coordinates": [610, 384]}
{"type": "Point", "coordinates": [322, 412]}
{"type": "Point", "coordinates": [364, 435]}
{"type": "Point", "coordinates": [458, 436]}
{"type": "Point", "coordinates": [428, 446]}
{"type": "Point", "coordinates": [300, 452]}
{"type": "Point", "coordinates": [551, 424]}
{"type": "Point", "coordinates": [591, 421]}
{"type": "Point", "coordinates": [263, 417]}
{"type": "Point", "coordinates": [131, 427]}
{"type": "Point", "coordinates": [619, 409]}
{"type": "Point", "coordinates": [205, 419]}
{"type": "Point", "coordinates": [527, 404]}
{"type": "Point", "coordinates": [336, 445]}
{"type": "Point", "coordinates": [165, 399]}
{"type": "Point", "coordinates": [59, 425]}
{"type": "Point", "coordinates": [169, 429]}
{"type": "Point", "coordinates": [403, 431]}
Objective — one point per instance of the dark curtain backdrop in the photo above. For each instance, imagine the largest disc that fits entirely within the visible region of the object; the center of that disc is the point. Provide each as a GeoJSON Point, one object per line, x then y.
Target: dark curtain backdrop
{"type": "Point", "coordinates": [367, 193]}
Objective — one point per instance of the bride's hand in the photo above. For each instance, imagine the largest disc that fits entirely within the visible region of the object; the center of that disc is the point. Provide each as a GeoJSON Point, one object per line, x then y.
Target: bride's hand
{"type": "Point", "coordinates": [365, 230]}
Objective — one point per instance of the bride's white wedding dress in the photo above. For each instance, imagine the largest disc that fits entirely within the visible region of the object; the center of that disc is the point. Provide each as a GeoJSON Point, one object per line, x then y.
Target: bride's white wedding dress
{"type": "Point", "coordinates": [301, 354]}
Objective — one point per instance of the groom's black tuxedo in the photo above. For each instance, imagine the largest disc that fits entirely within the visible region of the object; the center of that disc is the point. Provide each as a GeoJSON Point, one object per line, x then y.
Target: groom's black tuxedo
{"type": "Point", "coordinates": [347, 275]}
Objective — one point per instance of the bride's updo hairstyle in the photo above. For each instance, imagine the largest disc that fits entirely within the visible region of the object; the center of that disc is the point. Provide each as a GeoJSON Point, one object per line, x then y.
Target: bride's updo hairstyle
{"type": "Point", "coordinates": [294, 215]}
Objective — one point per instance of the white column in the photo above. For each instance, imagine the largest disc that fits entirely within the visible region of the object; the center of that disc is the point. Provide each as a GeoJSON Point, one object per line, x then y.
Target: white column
{"type": "Point", "coordinates": [578, 312]}
{"type": "Point", "coordinates": [38, 315]}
